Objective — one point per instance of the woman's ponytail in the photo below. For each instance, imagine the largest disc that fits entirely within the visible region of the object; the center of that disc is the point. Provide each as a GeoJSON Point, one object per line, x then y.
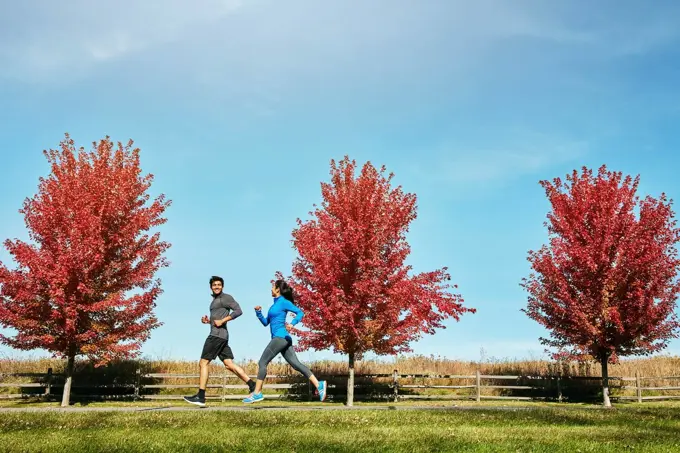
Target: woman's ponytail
{"type": "Point", "coordinates": [286, 290]}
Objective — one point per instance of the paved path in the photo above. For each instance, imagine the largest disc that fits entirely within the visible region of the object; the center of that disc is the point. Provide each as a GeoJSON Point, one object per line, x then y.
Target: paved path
{"type": "Point", "coordinates": [271, 408]}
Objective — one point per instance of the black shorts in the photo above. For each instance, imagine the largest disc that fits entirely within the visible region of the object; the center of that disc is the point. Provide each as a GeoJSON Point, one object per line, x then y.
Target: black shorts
{"type": "Point", "coordinates": [216, 347]}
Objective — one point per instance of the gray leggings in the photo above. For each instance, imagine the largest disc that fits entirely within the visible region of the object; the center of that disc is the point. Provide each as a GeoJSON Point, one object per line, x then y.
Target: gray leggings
{"type": "Point", "coordinates": [285, 347]}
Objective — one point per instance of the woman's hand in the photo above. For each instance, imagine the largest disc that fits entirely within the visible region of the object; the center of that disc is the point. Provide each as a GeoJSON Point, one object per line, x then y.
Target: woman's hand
{"type": "Point", "coordinates": [290, 328]}
{"type": "Point", "coordinates": [258, 308]}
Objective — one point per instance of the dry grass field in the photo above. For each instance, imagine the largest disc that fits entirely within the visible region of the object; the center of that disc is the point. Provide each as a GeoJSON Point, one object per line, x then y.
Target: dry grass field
{"type": "Point", "coordinates": [650, 367]}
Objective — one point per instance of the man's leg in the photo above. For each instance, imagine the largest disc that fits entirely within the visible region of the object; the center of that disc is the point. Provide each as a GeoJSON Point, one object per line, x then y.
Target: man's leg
{"type": "Point", "coordinates": [204, 366]}
{"type": "Point", "coordinates": [227, 357]}
{"type": "Point", "coordinates": [237, 370]}
{"type": "Point", "coordinates": [210, 351]}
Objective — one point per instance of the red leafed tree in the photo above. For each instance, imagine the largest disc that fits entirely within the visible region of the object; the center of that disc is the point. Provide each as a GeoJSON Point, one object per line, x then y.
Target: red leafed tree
{"type": "Point", "coordinates": [85, 286]}
{"type": "Point", "coordinates": [351, 278]}
{"type": "Point", "coordinates": [606, 285]}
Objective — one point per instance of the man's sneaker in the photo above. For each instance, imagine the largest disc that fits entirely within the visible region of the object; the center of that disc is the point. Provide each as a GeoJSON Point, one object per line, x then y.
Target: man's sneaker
{"type": "Point", "coordinates": [254, 398]}
{"type": "Point", "coordinates": [251, 387]}
{"type": "Point", "coordinates": [322, 390]}
{"type": "Point", "coordinates": [197, 400]}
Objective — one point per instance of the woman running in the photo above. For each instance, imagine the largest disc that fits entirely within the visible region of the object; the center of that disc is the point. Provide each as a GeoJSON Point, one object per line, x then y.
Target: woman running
{"type": "Point", "coordinates": [281, 342]}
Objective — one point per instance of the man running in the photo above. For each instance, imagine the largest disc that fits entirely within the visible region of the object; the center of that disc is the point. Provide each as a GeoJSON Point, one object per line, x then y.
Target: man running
{"type": "Point", "coordinates": [217, 343]}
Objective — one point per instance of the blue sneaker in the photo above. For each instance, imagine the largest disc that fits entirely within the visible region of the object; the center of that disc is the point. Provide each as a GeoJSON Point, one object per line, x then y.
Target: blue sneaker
{"type": "Point", "coordinates": [254, 398]}
{"type": "Point", "coordinates": [322, 390]}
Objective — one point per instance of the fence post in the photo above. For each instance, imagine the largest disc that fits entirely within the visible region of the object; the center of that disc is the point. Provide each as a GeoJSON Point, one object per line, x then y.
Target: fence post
{"type": "Point", "coordinates": [138, 383]}
{"type": "Point", "coordinates": [559, 386]}
{"type": "Point", "coordinates": [638, 389]}
{"type": "Point", "coordinates": [48, 383]}
{"type": "Point", "coordinates": [395, 386]}
{"type": "Point", "coordinates": [224, 387]}
{"type": "Point", "coordinates": [479, 384]}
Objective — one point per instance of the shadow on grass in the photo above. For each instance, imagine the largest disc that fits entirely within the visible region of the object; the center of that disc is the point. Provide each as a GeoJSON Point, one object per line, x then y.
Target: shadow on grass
{"type": "Point", "coordinates": [116, 381]}
{"type": "Point", "coordinates": [113, 381]}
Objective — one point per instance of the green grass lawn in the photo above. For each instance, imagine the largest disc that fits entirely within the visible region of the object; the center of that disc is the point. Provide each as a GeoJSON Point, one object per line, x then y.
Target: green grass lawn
{"type": "Point", "coordinates": [282, 403]}
{"type": "Point", "coordinates": [639, 428]}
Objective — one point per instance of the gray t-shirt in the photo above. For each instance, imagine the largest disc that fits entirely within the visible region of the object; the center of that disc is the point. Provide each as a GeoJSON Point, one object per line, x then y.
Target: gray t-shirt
{"type": "Point", "coordinates": [220, 307]}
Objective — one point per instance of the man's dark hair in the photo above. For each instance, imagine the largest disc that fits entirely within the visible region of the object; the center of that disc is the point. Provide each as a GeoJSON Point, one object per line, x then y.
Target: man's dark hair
{"type": "Point", "coordinates": [215, 278]}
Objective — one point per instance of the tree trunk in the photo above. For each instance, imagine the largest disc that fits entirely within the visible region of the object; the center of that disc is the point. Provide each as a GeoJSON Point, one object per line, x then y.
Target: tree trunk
{"type": "Point", "coordinates": [66, 397]}
{"type": "Point", "coordinates": [350, 381]}
{"type": "Point", "coordinates": [604, 360]}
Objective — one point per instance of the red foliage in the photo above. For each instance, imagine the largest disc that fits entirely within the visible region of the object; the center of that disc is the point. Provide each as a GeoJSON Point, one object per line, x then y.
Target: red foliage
{"type": "Point", "coordinates": [85, 286]}
{"type": "Point", "coordinates": [350, 275]}
{"type": "Point", "coordinates": [606, 285]}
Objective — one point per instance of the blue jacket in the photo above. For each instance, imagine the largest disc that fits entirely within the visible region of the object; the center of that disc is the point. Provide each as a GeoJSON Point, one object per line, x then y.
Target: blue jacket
{"type": "Point", "coordinates": [276, 317]}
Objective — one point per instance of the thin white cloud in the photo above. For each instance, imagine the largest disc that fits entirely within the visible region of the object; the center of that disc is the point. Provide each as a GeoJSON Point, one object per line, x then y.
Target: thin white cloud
{"type": "Point", "coordinates": [118, 44]}
{"type": "Point", "coordinates": [646, 38]}
{"type": "Point", "coordinates": [611, 30]}
{"type": "Point", "coordinates": [43, 40]}
{"type": "Point", "coordinates": [458, 164]}
{"type": "Point", "coordinates": [484, 166]}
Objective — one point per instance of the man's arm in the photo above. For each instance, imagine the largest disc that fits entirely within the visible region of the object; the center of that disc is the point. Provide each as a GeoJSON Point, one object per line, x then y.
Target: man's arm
{"type": "Point", "coordinates": [235, 308]}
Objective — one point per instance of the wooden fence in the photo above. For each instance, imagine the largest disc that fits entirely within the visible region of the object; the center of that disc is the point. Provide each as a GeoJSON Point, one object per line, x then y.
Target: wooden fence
{"type": "Point", "coordinates": [398, 387]}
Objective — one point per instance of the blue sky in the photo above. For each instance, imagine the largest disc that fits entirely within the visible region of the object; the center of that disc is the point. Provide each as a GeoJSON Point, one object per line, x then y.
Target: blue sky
{"type": "Point", "coordinates": [238, 108]}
